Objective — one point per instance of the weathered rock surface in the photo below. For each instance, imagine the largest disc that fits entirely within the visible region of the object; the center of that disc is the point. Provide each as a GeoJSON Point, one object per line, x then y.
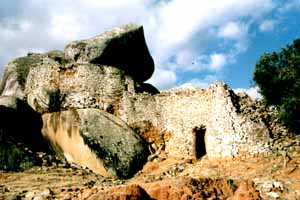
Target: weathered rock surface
{"type": "Point", "coordinates": [97, 140]}
{"type": "Point", "coordinates": [21, 123]}
{"type": "Point", "coordinates": [15, 73]}
{"type": "Point", "coordinates": [51, 87]}
{"type": "Point", "coordinates": [105, 67]}
{"type": "Point", "coordinates": [92, 73]}
{"type": "Point", "coordinates": [11, 102]}
{"type": "Point", "coordinates": [124, 48]}
{"type": "Point", "coordinates": [42, 86]}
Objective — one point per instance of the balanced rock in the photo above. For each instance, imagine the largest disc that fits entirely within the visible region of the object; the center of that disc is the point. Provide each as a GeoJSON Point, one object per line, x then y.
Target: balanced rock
{"type": "Point", "coordinates": [124, 48]}
{"type": "Point", "coordinates": [92, 73]}
{"type": "Point", "coordinates": [97, 140]}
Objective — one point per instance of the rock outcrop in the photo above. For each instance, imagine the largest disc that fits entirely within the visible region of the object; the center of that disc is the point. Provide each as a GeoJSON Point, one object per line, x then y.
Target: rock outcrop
{"type": "Point", "coordinates": [53, 88]}
{"type": "Point", "coordinates": [124, 48]}
{"type": "Point", "coordinates": [96, 110]}
{"type": "Point", "coordinates": [16, 72]}
{"type": "Point", "coordinates": [90, 74]}
{"type": "Point", "coordinates": [97, 140]}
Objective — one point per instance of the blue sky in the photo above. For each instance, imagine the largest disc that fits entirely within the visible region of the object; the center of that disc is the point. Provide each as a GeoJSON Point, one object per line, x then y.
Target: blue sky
{"type": "Point", "coordinates": [193, 42]}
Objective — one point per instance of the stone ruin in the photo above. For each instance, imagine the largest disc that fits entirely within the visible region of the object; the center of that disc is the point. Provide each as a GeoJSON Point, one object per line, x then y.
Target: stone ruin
{"type": "Point", "coordinates": [91, 104]}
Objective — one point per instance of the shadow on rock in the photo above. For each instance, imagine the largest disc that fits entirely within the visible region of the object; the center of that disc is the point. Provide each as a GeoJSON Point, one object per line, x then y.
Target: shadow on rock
{"type": "Point", "coordinates": [20, 135]}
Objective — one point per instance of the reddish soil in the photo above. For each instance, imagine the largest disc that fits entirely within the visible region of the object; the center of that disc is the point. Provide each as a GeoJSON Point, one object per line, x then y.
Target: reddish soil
{"type": "Point", "coordinates": [165, 179]}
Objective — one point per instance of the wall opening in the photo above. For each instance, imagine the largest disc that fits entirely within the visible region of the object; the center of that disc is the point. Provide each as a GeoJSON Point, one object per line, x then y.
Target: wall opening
{"type": "Point", "coordinates": [199, 134]}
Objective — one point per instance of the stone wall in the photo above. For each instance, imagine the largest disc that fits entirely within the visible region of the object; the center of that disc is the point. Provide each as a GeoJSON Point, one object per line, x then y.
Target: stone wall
{"type": "Point", "coordinates": [179, 112]}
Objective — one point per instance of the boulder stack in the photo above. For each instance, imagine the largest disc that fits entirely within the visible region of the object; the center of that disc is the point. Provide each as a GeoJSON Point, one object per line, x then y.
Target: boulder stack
{"type": "Point", "coordinates": [70, 90]}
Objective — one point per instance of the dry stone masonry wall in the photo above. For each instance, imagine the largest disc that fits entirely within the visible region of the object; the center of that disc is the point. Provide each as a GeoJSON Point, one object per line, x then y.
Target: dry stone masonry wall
{"type": "Point", "coordinates": [178, 112]}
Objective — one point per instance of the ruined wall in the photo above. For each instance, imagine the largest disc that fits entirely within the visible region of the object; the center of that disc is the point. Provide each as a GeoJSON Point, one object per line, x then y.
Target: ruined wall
{"type": "Point", "coordinates": [179, 112]}
{"type": "Point", "coordinates": [229, 132]}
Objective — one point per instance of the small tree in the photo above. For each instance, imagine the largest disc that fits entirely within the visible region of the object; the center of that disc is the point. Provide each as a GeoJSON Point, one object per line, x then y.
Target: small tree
{"type": "Point", "coordinates": [278, 76]}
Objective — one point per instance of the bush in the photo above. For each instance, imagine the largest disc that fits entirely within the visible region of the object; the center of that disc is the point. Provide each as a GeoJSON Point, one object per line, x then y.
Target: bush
{"type": "Point", "coordinates": [14, 158]}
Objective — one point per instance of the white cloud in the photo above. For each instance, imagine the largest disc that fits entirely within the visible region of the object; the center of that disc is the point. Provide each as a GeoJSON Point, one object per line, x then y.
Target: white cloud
{"type": "Point", "coordinates": [178, 32]}
{"type": "Point", "coordinates": [65, 27]}
{"type": "Point", "coordinates": [200, 83]}
{"type": "Point", "coordinates": [186, 58]}
{"type": "Point", "coordinates": [233, 30]}
{"type": "Point", "coordinates": [290, 5]}
{"type": "Point", "coordinates": [252, 92]}
{"type": "Point", "coordinates": [217, 61]}
{"type": "Point", "coordinates": [163, 79]}
{"type": "Point", "coordinates": [188, 61]}
{"type": "Point", "coordinates": [267, 25]}
{"type": "Point", "coordinates": [46, 25]}
{"type": "Point", "coordinates": [181, 24]}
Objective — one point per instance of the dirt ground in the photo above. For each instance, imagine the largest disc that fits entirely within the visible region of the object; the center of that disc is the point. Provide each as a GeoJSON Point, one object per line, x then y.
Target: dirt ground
{"type": "Point", "coordinates": [275, 177]}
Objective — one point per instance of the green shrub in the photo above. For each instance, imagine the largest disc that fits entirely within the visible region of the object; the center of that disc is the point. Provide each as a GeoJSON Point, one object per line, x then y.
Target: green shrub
{"type": "Point", "coordinates": [14, 158]}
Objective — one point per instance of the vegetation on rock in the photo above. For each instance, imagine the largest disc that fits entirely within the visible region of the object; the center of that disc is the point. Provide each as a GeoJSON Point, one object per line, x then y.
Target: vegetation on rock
{"type": "Point", "coordinates": [23, 65]}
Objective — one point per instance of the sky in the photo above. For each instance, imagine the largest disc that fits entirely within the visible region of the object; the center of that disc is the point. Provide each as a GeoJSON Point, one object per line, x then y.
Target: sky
{"type": "Point", "coordinates": [193, 42]}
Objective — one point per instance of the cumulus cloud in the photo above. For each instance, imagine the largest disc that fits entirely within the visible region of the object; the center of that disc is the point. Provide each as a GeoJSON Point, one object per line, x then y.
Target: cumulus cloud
{"type": "Point", "coordinates": [178, 32]}
{"type": "Point", "coordinates": [185, 30]}
{"type": "Point", "coordinates": [180, 21]}
{"type": "Point", "coordinates": [217, 61]}
{"type": "Point", "coordinates": [252, 92]}
{"type": "Point", "coordinates": [44, 25]}
{"type": "Point", "coordinates": [267, 25]}
{"type": "Point", "coordinates": [200, 83]}
{"type": "Point", "coordinates": [186, 59]}
{"type": "Point", "coordinates": [163, 79]}
{"type": "Point", "coordinates": [233, 30]}
{"type": "Point", "coordinates": [290, 5]}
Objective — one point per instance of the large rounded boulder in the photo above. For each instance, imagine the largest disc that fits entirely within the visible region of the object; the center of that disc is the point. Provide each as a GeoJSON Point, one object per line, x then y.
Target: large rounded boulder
{"type": "Point", "coordinates": [97, 140]}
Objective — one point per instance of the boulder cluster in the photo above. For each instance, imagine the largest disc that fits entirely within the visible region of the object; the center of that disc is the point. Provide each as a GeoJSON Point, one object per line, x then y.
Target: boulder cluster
{"type": "Point", "coordinates": [69, 98]}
